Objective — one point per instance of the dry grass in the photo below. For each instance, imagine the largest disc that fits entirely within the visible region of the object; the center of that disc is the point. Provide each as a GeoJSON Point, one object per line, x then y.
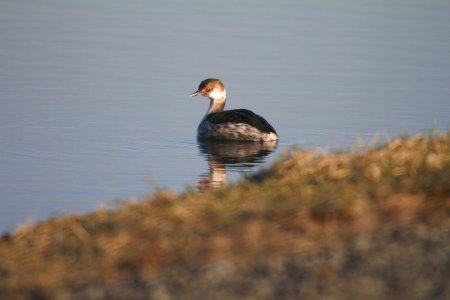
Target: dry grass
{"type": "Point", "coordinates": [371, 225]}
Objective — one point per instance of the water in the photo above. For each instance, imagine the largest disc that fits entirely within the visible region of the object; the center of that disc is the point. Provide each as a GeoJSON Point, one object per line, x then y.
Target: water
{"type": "Point", "coordinates": [94, 94]}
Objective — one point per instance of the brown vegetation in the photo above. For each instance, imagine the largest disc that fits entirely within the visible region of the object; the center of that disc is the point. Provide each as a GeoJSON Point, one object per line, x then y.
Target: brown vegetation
{"type": "Point", "coordinates": [361, 225]}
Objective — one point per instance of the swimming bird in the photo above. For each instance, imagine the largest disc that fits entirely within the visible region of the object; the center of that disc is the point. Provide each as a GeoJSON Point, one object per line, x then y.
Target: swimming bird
{"type": "Point", "coordinates": [231, 125]}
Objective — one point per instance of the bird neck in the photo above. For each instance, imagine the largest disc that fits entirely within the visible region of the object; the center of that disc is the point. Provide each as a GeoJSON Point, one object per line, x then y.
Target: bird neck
{"type": "Point", "coordinates": [216, 105]}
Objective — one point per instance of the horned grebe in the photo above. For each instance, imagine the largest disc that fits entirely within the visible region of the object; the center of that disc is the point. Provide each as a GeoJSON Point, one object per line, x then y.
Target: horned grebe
{"type": "Point", "coordinates": [232, 125]}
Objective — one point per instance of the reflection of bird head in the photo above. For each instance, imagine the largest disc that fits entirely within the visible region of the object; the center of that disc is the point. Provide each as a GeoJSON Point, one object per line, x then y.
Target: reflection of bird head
{"type": "Point", "coordinates": [214, 179]}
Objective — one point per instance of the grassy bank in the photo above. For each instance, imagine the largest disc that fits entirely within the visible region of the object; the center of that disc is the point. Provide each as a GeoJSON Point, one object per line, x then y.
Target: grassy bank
{"type": "Point", "coordinates": [367, 225]}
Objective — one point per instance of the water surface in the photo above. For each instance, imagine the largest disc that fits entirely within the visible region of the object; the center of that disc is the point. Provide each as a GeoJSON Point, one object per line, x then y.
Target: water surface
{"type": "Point", "coordinates": [94, 94]}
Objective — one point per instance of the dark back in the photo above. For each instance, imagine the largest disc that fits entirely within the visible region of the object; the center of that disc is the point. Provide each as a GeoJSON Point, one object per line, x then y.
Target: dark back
{"type": "Point", "coordinates": [241, 116]}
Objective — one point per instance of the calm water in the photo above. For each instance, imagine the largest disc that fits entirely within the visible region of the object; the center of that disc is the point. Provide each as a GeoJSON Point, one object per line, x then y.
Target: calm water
{"type": "Point", "coordinates": [94, 94]}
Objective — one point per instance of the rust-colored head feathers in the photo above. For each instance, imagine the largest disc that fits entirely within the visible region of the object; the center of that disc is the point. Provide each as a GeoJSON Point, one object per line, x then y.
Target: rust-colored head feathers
{"type": "Point", "coordinates": [209, 85]}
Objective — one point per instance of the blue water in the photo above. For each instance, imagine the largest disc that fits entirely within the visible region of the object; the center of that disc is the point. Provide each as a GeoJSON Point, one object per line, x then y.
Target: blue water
{"type": "Point", "coordinates": [94, 94]}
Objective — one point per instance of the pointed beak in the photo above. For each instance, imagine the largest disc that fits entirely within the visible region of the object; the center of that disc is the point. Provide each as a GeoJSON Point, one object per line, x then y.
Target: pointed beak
{"type": "Point", "coordinates": [194, 94]}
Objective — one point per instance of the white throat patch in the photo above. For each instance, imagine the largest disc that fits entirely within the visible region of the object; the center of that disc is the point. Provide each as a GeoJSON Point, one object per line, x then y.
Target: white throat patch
{"type": "Point", "coordinates": [217, 95]}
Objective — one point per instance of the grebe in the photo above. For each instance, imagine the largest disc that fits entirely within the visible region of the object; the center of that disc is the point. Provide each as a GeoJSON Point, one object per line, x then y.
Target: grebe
{"type": "Point", "coordinates": [231, 125]}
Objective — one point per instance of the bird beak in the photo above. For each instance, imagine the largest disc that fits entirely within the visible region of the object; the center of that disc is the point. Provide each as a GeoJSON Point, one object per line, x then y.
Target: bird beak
{"type": "Point", "coordinates": [194, 94]}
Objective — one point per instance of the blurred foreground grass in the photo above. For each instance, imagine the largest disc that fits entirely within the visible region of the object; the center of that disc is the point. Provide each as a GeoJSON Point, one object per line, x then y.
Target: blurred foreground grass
{"type": "Point", "coordinates": [359, 225]}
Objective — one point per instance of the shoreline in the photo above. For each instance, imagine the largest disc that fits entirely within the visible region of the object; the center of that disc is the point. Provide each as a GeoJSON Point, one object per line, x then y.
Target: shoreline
{"type": "Point", "coordinates": [370, 224]}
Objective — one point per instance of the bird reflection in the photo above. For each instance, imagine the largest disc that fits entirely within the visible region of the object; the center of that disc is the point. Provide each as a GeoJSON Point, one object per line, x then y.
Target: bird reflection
{"type": "Point", "coordinates": [238, 156]}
